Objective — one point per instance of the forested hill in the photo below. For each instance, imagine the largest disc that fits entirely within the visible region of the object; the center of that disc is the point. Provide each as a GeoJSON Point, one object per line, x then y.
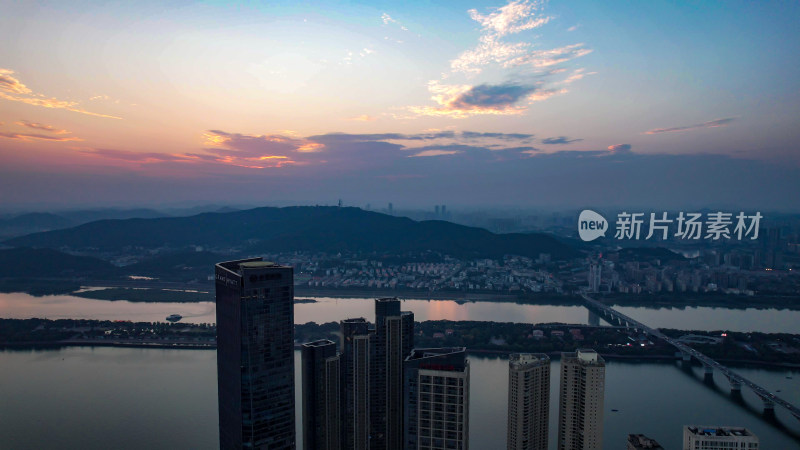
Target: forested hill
{"type": "Point", "coordinates": [302, 228]}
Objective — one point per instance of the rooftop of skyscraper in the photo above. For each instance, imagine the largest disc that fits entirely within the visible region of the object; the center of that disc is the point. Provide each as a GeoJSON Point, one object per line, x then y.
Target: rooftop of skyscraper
{"type": "Point", "coordinates": [525, 359]}
{"type": "Point", "coordinates": [319, 343]}
{"type": "Point", "coordinates": [719, 431]}
{"type": "Point", "coordinates": [422, 353]}
{"type": "Point", "coordinates": [640, 441]}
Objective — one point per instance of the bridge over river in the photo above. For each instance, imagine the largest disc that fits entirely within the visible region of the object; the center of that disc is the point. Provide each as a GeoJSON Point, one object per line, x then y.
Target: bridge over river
{"type": "Point", "coordinates": [736, 380]}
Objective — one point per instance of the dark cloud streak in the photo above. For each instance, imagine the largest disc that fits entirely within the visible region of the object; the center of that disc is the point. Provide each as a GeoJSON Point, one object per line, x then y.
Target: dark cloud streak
{"type": "Point", "coordinates": [560, 140]}
{"type": "Point", "coordinates": [489, 96]}
{"type": "Point", "coordinates": [710, 124]}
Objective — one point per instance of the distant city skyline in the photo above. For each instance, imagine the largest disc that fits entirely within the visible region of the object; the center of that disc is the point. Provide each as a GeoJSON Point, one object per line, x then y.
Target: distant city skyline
{"type": "Point", "coordinates": [527, 103]}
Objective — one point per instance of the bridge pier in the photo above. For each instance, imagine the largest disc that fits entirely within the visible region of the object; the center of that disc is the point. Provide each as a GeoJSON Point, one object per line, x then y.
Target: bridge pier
{"type": "Point", "coordinates": [594, 319]}
{"type": "Point", "coordinates": [708, 375]}
{"type": "Point", "coordinates": [687, 357]}
{"type": "Point", "coordinates": [736, 386]}
{"type": "Point", "coordinates": [769, 407]}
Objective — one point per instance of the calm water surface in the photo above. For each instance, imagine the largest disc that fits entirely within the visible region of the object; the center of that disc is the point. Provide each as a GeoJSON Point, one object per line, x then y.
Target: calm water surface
{"type": "Point", "coordinates": [100, 398]}
{"type": "Point", "coordinates": [20, 305]}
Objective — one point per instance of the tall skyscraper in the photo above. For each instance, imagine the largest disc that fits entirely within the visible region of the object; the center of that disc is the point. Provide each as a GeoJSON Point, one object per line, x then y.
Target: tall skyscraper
{"type": "Point", "coordinates": [356, 348]}
{"type": "Point", "coordinates": [437, 399]}
{"type": "Point", "coordinates": [718, 438]}
{"type": "Point", "coordinates": [528, 401]}
{"type": "Point", "coordinates": [394, 339]}
{"type": "Point", "coordinates": [255, 354]}
{"type": "Point", "coordinates": [321, 395]}
{"type": "Point", "coordinates": [580, 410]}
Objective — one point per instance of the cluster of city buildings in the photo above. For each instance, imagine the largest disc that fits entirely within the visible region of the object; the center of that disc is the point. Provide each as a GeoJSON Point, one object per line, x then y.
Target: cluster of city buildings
{"type": "Point", "coordinates": [707, 273]}
{"type": "Point", "coordinates": [513, 273]}
{"type": "Point", "coordinates": [375, 389]}
{"type": "Point", "coordinates": [712, 270]}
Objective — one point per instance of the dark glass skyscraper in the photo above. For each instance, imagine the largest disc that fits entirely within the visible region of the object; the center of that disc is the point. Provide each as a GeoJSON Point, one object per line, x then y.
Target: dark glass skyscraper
{"type": "Point", "coordinates": [394, 339]}
{"type": "Point", "coordinates": [255, 355]}
{"type": "Point", "coordinates": [321, 395]}
{"type": "Point", "coordinates": [356, 348]}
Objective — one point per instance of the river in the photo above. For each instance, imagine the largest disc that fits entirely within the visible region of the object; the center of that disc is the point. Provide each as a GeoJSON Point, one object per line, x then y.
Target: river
{"type": "Point", "coordinates": [129, 398]}
{"type": "Point", "coordinates": [23, 306]}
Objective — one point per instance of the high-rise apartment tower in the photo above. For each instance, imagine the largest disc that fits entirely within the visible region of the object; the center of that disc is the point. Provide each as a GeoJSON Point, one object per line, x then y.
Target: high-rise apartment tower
{"type": "Point", "coordinates": [436, 399]}
{"type": "Point", "coordinates": [580, 411]}
{"type": "Point", "coordinates": [528, 401]}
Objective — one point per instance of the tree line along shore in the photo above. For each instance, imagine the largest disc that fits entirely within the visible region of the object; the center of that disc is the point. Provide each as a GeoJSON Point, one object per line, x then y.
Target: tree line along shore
{"type": "Point", "coordinates": [763, 349]}
{"type": "Point", "coordinates": [204, 292]}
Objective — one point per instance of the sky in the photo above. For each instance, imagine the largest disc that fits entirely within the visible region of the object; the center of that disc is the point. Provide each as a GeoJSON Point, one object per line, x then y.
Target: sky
{"type": "Point", "coordinates": [513, 104]}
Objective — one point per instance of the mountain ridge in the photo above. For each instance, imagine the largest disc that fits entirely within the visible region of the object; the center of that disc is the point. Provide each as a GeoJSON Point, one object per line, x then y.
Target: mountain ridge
{"type": "Point", "coordinates": [327, 229]}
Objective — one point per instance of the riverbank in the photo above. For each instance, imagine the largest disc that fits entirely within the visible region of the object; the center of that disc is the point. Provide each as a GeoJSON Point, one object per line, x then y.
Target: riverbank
{"type": "Point", "coordinates": [158, 291]}
{"type": "Point", "coordinates": [498, 353]}
{"type": "Point", "coordinates": [778, 350]}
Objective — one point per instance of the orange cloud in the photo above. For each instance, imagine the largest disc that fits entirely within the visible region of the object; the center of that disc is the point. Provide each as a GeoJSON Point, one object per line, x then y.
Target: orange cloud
{"type": "Point", "coordinates": [40, 137]}
{"type": "Point", "coordinates": [256, 151]}
{"type": "Point", "coordinates": [311, 147]}
{"type": "Point", "coordinates": [39, 126]}
{"type": "Point", "coordinates": [10, 84]}
{"type": "Point", "coordinates": [223, 149]}
{"type": "Point", "coordinates": [215, 139]}
{"type": "Point", "coordinates": [11, 89]}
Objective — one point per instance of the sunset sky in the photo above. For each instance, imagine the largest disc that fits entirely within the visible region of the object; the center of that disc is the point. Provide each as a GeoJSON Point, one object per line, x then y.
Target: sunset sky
{"type": "Point", "coordinates": [551, 104]}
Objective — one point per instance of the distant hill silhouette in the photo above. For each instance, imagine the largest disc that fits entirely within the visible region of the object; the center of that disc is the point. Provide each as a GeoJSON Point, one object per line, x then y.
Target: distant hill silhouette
{"type": "Point", "coordinates": [43, 263]}
{"type": "Point", "coordinates": [302, 228]}
{"type": "Point", "coordinates": [82, 216]}
{"type": "Point", "coordinates": [33, 222]}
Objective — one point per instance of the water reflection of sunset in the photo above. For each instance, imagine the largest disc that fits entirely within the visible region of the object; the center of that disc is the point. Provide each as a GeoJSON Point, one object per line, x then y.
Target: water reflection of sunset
{"type": "Point", "coordinates": [447, 310]}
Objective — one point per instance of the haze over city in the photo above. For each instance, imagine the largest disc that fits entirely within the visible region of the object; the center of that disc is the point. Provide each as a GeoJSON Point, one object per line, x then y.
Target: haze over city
{"type": "Point", "coordinates": [531, 104]}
